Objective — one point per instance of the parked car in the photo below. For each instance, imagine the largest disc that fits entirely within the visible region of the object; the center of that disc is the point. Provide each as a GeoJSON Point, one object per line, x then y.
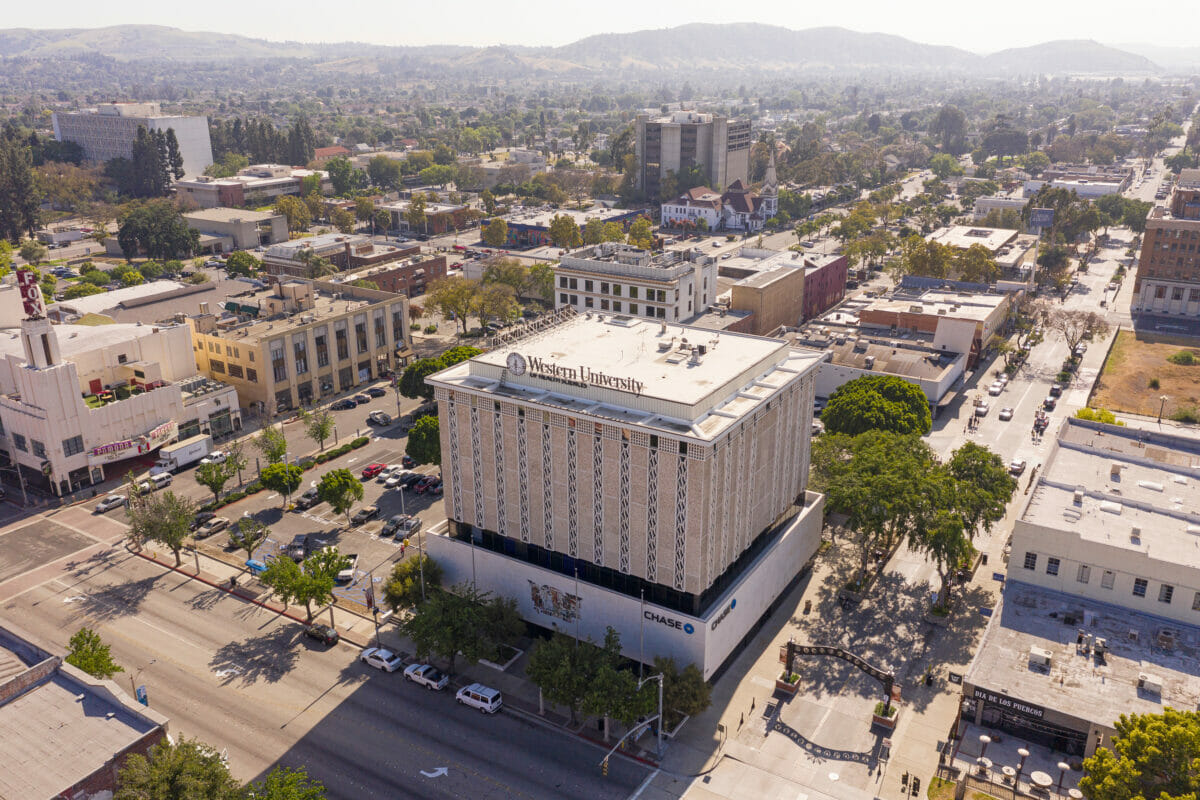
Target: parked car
{"type": "Point", "coordinates": [1006, 414]}
{"type": "Point", "coordinates": [371, 470]}
{"type": "Point", "coordinates": [1055, 390]}
{"type": "Point", "coordinates": [388, 471]}
{"type": "Point", "coordinates": [1049, 403]}
{"type": "Point", "coordinates": [410, 480]}
{"type": "Point", "coordinates": [215, 457]}
{"type": "Point", "coordinates": [995, 389]}
{"type": "Point", "coordinates": [297, 548]}
{"type": "Point", "coordinates": [396, 478]}
{"type": "Point", "coordinates": [428, 676]}
{"type": "Point", "coordinates": [477, 695]}
{"type": "Point", "coordinates": [1016, 466]}
{"type": "Point", "coordinates": [981, 409]}
{"type": "Point", "coordinates": [212, 526]}
{"type": "Point", "coordinates": [344, 404]}
{"type": "Point", "coordinates": [363, 514]}
{"type": "Point", "coordinates": [393, 524]}
{"type": "Point", "coordinates": [326, 634]}
{"type": "Point", "coordinates": [309, 499]}
{"type": "Point", "coordinates": [422, 485]}
{"type": "Point", "coordinates": [361, 398]}
{"type": "Point", "coordinates": [110, 502]}
{"type": "Point", "coordinates": [437, 488]}
{"type": "Point", "coordinates": [378, 418]}
{"type": "Point", "coordinates": [408, 462]}
{"type": "Point", "coordinates": [377, 391]}
{"type": "Point", "coordinates": [380, 658]}
{"type": "Point", "coordinates": [201, 518]}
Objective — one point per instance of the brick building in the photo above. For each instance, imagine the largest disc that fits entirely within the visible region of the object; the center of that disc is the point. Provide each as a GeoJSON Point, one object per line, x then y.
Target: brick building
{"type": "Point", "coordinates": [824, 283]}
{"type": "Point", "coordinates": [1168, 275]}
{"type": "Point", "coordinates": [409, 277]}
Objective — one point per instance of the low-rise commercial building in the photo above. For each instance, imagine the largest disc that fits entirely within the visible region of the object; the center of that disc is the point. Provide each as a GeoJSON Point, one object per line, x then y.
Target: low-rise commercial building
{"type": "Point", "coordinates": [530, 227]}
{"type": "Point", "coordinates": [769, 284]}
{"type": "Point", "coordinates": [623, 279]}
{"type": "Point", "coordinates": [253, 185]}
{"type": "Point", "coordinates": [1167, 282]}
{"type": "Point", "coordinates": [239, 229]}
{"type": "Point", "coordinates": [439, 217]}
{"type": "Point", "coordinates": [958, 322]}
{"type": "Point", "coordinates": [344, 251]}
{"type": "Point", "coordinates": [63, 733]}
{"type": "Point", "coordinates": [824, 282]}
{"type": "Point", "coordinates": [1101, 610]}
{"type": "Point", "coordinates": [410, 277]}
{"type": "Point", "coordinates": [963, 237]}
{"type": "Point", "coordinates": [76, 398]}
{"type": "Point", "coordinates": [299, 341]}
{"type": "Point", "coordinates": [587, 463]}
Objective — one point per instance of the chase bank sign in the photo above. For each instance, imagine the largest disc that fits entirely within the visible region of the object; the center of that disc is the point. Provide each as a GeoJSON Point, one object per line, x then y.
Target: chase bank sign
{"type": "Point", "coordinates": [668, 622]}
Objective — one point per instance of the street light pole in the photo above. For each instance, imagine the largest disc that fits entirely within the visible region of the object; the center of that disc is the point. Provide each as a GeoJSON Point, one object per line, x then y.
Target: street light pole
{"type": "Point", "coordinates": [1161, 405]}
{"type": "Point", "coordinates": [659, 678]}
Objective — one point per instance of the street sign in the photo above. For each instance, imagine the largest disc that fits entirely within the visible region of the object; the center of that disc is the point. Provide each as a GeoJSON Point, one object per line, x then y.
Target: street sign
{"type": "Point", "coordinates": [998, 576]}
{"type": "Point", "coordinates": [1041, 217]}
{"type": "Point", "coordinates": [142, 696]}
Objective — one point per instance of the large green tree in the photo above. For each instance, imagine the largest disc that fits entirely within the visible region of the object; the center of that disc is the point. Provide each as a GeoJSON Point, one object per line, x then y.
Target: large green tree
{"type": "Point", "coordinates": [282, 478]}
{"type": "Point", "coordinates": [403, 588]}
{"type": "Point", "coordinates": [877, 402]}
{"type": "Point", "coordinates": [242, 264]}
{"type": "Point", "coordinates": [90, 654]}
{"type": "Point", "coordinates": [184, 770]}
{"type": "Point", "coordinates": [564, 231]}
{"type": "Point", "coordinates": [213, 477]}
{"type": "Point", "coordinates": [462, 622]}
{"type": "Point", "coordinates": [162, 517]}
{"type": "Point", "coordinates": [425, 441]}
{"type": "Point", "coordinates": [341, 490]}
{"type": "Point", "coordinates": [20, 197]}
{"type": "Point", "coordinates": [272, 444]}
{"type": "Point", "coordinates": [156, 228]}
{"type": "Point", "coordinates": [982, 487]}
{"type": "Point", "coordinates": [285, 783]}
{"type": "Point", "coordinates": [1153, 757]}
{"type": "Point", "coordinates": [318, 426]}
{"type": "Point", "coordinates": [495, 233]}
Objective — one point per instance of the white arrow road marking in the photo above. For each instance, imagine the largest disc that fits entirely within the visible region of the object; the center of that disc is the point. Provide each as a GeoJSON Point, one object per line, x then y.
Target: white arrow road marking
{"type": "Point", "coordinates": [437, 773]}
{"type": "Point", "coordinates": [74, 599]}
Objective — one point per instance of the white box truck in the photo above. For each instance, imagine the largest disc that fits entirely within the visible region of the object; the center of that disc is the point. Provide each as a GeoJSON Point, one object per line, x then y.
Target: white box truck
{"type": "Point", "coordinates": [174, 457]}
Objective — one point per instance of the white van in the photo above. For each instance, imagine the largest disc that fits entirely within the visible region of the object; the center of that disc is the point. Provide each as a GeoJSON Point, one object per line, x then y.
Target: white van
{"type": "Point", "coordinates": [161, 480]}
{"type": "Point", "coordinates": [479, 696]}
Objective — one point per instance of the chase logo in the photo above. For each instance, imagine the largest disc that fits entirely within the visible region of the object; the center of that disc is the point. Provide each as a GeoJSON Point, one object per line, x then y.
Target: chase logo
{"type": "Point", "coordinates": [687, 628]}
{"type": "Point", "coordinates": [720, 617]}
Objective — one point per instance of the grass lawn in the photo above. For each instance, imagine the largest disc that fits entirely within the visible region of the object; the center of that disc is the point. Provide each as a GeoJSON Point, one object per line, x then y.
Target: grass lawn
{"type": "Point", "coordinates": [93, 401]}
{"type": "Point", "coordinates": [1135, 360]}
{"type": "Point", "coordinates": [939, 789]}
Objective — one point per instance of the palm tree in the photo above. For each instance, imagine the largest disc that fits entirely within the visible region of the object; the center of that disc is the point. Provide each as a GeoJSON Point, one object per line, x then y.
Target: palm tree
{"type": "Point", "coordinates": [316, 266]}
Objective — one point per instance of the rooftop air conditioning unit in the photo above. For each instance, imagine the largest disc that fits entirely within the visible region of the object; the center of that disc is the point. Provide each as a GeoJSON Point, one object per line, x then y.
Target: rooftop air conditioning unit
{"type": "Point", "coordinates": [1040, 657]}
{"type": "Point", "coordinates": [870, 362]}
{"type": "Point", "coordinates": [1150, 683]}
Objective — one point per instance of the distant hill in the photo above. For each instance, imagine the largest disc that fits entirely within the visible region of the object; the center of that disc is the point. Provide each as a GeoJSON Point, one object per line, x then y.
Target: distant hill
{"type": "Point", "coordinates": [1068, 55]}
{"type": "Point", "coordinates": [1183, 59]}
{"type": "Point", "coordinates": [695, 47]}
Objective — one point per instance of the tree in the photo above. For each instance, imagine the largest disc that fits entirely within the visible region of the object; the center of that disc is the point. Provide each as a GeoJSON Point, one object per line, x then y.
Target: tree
{"type": "Point", "coordinates": [462, 621]}
{"type": "Point", "coordinates": [248, 534]}
{"type": "Point", "coordinates": [564, 231]}
{"type": "Point", "coordinates": [1074, 325]}
{"type": "Point", "coordinates": [285, 783]}
{"type": "Point", "coordinates": [938, 533]}
{"type": "Point", "coordinates": [156, 228]}
{"type": "Point", "coordinates": [558, 667]}
{"type": "Point", "coordinates": [412, 380]}
{"type": "Point", "coordinates": [496, 301]}
{"type": "Point", "coordinates": [242, 264]}
{"type": "Point", "coordinates": [341, 490]}
{"type": "Point", "coordinates": [341, 175]}
{"type": "Point", "coordinates": [453, 295]}
{"type": "Point", "coordinates": [684, 691]}
{"type": "Point", "coordinates": [877, 402]}
{"type": "Point", "coordinates": [949, 126]}
{"type": "Point", "coordinates": [282, 478]}
{"type": "Point", "coordinates": [414, 215]}
{"type": "Point", "coordinates": [132, 278]}
{"type": "Point", "coordinates": [343, 220]}
{"type": "Point", "coordinates": [384, 172]}
{"type": "Point", "coordinates": [975, 264]}
{"type": "Point", "coordinates": [316, 266]}
{"type": "Point", "coordinates": [1152, 757]}
{"type": "Point", "coordinates": [944, 165]}
{"type": "Point", "coordinates": [640, 235]}
{"type": "Point", "coordinates": [403, 589]}
{"type": "Point", "coordinates": [20, 197]}
{"type": "Point", "coordinates": [507, 272]}
{"type": "Point", "coordinates": [92, 655]}
{"type": "Point", "coordinates": [185, 770]}
{"type": "Point", "coordinates": [297, 213]}
{"type": "Point", "coordinates": [541, 281]}
{"type": "Point", "coordinates": [425, 441]}
{"type": "Point", "coordinates": [612, 232]}
{"type": "Point", "coordinates": [438, 174]}
{"type": "Point", "coordinates": [162, 517]}
{"type": "Point", "coordinates": [318, 426]}
{"type": "Point", "coordinates": [593, 231]}
{"type": "Point", "coordinates": [272, 444]}
{"type": "Point", "coordinates": [489, 201]}
{"type": "Point", "coordinates": [81, 290]}
{"type": "Point", "coordinates": [495, 233]}
{"type": "Point", "coordinates": [213, 477]}
{"type": "Point", "coordinates": [235, 458]}
{"type": "Point", "coordinates": [33, 251]}
{"type": "Point", "coordinates": [982, 486]}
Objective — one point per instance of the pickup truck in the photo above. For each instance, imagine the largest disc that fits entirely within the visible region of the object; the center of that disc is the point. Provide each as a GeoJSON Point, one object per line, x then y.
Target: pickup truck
{"type": "Point", "coordinates": [347, 575]}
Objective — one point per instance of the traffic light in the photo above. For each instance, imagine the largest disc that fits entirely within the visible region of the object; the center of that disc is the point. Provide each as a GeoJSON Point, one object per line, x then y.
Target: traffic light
{"type": "Point", "coordinates": [604, 767]}
{"type": "Point", "coordinates": [916, 785]}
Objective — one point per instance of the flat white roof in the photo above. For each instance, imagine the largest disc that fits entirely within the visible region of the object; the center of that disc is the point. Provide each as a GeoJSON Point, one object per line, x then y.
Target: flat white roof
{"type": "Point", "coordinates": [963, 236]}
{"type": "Point", "coordinates": [630, 368]}
{"type": "Point", "coordinates": [946, 304]}
{"type": "Point", "coordinates": [541, 217]}
{"type": "Point", "coordinates": [95, 303]}
{"type": "Point", "coordinates": [76, 339]}
{"type": "Point", "coordinates": [222, 214]}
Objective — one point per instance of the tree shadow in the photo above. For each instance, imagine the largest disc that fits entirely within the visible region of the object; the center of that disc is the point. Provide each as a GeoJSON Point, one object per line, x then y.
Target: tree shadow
{"type": "Point", "coordinates": [207, 599]}
{"type": "Point", "coordinates": [116, 600]}
{"type": "Point", "coordinates": [267, 657]}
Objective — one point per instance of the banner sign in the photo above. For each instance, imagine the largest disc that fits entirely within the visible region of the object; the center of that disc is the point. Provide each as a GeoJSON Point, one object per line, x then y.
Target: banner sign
{"type": "Point", "coordinates": [31, 294]}
{"type": "Point", "coordinates": [140, 445]}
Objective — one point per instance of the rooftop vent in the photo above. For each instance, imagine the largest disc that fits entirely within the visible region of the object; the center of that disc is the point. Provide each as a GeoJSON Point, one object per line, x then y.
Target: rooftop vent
{"type": "Point", "coordinates": [1110, 507]}
{"type": "Point", "coordinates": [1150, 683]}
{"type": "Point", "coordinates": [1040, 657]}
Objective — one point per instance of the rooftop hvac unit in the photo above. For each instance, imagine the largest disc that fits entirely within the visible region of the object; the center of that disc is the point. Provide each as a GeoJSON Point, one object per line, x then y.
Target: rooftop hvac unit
{"type": "Point", "coordinates": [870, 362]}
{"type": "Point", "coordinates": [1040, 657]}
{"type": "Point", "coordinates": [1079, 497]}
{"type": "Point", "coordinates": [1135, 534]}
{"type": "Point", "coordinates": [1150, 683]}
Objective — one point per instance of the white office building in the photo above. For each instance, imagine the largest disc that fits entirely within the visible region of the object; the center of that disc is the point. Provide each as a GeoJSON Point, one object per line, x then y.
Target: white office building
{"type": "Point", "coordinates": [614, 471]}
{"type": "Point", "coordinates": [108, 132]}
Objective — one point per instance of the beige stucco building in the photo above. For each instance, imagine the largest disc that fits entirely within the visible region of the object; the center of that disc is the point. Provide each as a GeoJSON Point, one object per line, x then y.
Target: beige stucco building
{"type": "Point", "coordinates": [287, 346]}
{"type": "Point", "coordinates": [607, 449]}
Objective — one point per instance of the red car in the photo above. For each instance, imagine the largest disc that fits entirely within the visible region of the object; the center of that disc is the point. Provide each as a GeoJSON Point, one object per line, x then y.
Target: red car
{"type": "Point", "coordinates": [371, 470]}
{"type": "Point", "coordinates": [424, 484]}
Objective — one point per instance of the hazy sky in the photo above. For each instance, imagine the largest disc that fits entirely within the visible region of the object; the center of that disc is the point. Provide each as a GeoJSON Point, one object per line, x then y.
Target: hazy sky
{"type": "Point", "coordinates": [973, 26]}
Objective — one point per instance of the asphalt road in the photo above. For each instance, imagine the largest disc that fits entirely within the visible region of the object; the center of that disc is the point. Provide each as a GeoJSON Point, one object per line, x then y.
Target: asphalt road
{"type": "Point", "coordinates": [245, 681]}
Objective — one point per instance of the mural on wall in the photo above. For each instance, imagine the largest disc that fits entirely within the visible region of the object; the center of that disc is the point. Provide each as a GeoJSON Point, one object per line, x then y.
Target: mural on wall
{"type": "Point", "coordinates": [554, 602]}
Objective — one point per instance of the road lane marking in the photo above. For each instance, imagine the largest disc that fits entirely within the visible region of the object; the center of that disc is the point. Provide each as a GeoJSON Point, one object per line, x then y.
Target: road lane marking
{"type": "Point", "coordinates": [436, 773]}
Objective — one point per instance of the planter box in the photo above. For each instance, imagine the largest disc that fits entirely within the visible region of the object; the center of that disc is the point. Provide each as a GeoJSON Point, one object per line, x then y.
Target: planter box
{"type": "Point", "coordinates": [787, 688]}
{"type": "Point", "coordinates": [517, 653]}
{"type": "Point", "coordinates": [886, 722]}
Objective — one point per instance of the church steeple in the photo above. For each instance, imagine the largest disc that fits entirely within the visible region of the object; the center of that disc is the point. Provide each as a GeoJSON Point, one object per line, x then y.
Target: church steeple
{"type": "Point", "coordinates": [770, 188]}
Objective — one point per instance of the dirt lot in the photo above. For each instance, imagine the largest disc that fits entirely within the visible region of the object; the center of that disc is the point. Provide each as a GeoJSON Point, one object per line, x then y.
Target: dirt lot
{"type": "Point", "coordinates": [1135, 360]}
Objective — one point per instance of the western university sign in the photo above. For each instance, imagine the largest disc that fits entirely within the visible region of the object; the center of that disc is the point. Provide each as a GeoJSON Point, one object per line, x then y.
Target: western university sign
{"type": "Point", "coordinates": [582, 376]}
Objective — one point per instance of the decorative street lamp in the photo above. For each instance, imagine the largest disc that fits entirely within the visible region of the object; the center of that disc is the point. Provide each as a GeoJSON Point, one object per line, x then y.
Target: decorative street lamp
{"type": "Point", "coordinates": [1162, 402]}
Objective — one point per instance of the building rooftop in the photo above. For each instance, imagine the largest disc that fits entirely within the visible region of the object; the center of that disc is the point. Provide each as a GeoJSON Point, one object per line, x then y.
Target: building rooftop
{"type": "Point", "coordinates": [1129, 479]}
{"type": "Point", "coordinates": [96, 303]}
{"type": "Point", "coordinates": [249, 315]}
{"type": "Point", "coordinates": [955, 305]}
{"type": "Point", "coordinates": [541, 217]}
{"type": "Point", "coordinates": [680, 378]}
{"type": "Point", "coordinates": [401, 206]}
{"type": "Point", "coordinates": [1084, 685]}
{"type": "Point", "coordinates": [222, 214]}
{"type": "Point", "coordinates": [613, 258]}
{"type": "Point", "coordinates": [76, 339]}
{"type": "Point", "coordinates": [963, 236]}
{"type": "Point", "coordinates": [322, 242]}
